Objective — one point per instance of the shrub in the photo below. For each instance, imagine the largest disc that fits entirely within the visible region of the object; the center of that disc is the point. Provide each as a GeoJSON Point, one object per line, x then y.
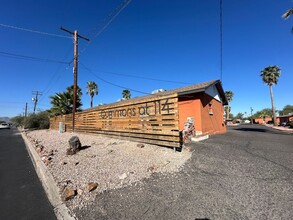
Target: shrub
{"type": "Point", "coordinates": [18, 120]}
{"type": "Point", "coordinates": [37, 121]}
{"type": "Point", "coordinates": [291, 124]}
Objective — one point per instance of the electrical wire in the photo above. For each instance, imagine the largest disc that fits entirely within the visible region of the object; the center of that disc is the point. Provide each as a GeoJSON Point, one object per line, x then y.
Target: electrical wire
{"type": "Point", "coordinates": [113, 84]}
{"type": "Point", "coordinates": [142, 77]}
{"type": "Point", "coordinates": [34, 31]}
{"type": "Point", "coordinates": [111, 16]}
{"type": "Point", "coordinates": [24, 57]}
{"type": "Point", "coordinates": [221, 40]}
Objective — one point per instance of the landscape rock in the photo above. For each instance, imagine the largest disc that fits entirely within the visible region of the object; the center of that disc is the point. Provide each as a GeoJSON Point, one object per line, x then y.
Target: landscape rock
{"type": "Point", "coordinates": [140, 145]}
{"type": "Point", "coordinates": [74, 145]}
{"type": "Point", "coordinates": [68, 193]}
{"type": "Point", "coordinates": [91, 186]}
{"type": "Point", "coordinates": [39, 150]}
{"type": "Point", "coordinates": [123, 176]}
{"type": "Point", "coordinates": [79, 191]}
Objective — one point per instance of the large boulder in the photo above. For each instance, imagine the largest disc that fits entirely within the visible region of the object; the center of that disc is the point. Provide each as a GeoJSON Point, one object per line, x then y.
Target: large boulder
{"type": "Point", "coordinates": [74, 145]}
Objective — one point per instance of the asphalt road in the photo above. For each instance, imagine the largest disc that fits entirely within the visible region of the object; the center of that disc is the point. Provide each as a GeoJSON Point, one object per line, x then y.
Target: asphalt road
{"type": "Point", "coordinates": [21, 192]}
{"type": "Point", "coordinates": [246, 173]}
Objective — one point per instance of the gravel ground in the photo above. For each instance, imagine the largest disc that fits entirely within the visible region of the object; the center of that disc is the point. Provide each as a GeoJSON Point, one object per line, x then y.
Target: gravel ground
{"type": "Point", "coordinates": [111, 163]}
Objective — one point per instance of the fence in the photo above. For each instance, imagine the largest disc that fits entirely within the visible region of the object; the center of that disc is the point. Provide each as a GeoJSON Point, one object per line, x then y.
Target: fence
{"type": "Point", "coordinates": [154, 120]}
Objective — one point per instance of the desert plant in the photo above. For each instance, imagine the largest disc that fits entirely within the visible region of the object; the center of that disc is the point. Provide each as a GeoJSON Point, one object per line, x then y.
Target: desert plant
{"type": "Point", "coordinates": [92, 90]}
{"type": "Point", "coordinates": [270, 76]}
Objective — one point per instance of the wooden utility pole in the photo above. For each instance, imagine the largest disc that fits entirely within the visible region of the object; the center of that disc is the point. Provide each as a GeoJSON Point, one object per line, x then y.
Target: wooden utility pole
{"type": "Point", "coordinates": [251, 114]}
{"type": "Point", "coordinates": [35, 100]}
{"type": "Point", "coordinates": [75, 63]}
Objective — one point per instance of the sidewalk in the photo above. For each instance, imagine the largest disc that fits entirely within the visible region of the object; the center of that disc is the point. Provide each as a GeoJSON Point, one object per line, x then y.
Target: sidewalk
{"type": "Point", "coordinates": [280, 128]}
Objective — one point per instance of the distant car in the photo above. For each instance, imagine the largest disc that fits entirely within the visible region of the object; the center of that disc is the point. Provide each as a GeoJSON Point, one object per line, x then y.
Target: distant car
{"type": "Point", "coordinates": [247, 122]}
{"type": "Point", "coordinates": [4, 126]}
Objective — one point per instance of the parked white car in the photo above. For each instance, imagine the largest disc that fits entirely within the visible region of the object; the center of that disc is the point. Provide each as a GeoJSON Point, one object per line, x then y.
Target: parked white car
{"type": "Point", "coordinates": [4, 126]}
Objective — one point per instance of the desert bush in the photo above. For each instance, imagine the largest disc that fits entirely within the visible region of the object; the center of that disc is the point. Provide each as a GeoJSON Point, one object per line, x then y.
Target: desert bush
{"type": "Point", "coordinates": [37, 121]}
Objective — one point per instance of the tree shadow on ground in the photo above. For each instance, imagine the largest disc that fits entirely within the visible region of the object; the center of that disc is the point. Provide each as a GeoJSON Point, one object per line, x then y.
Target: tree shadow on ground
{"type": "Point", "coordinates": [252, 129]}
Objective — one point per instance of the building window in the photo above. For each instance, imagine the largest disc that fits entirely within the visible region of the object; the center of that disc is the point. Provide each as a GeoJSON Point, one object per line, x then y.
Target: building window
{"type": "Point", "coordinates": [210, 109]}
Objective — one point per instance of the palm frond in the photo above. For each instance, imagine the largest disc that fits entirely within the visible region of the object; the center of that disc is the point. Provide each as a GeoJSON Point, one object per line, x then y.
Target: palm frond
{"type": "Point", "coordinates": [287, 14]}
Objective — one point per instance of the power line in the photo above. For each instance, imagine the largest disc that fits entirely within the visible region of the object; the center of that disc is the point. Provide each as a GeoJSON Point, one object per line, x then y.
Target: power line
{"type": "Point", "coordinates": [142, 77]}
{"type": "Point", "coordinates": [221, 41]}
{"type": "Point", "coordinates": [30, 58]}
{"type": "Point", "coordinates": [111, 16]}
{"type": "Point", "coordinates": [55, 78]}
{"type": "Point", "coordinates": [113, 84]}
{"type": "Point", "coordinates": [34, 31]}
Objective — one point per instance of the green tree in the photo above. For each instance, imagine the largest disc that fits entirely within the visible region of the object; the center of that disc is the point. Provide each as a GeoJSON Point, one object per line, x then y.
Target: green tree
{"type": "Point", "coordinates": [266, 112]}
{"type": "Point", "coordinates": [229, 96]}
{"type": "Point", "coordinates": [92, 90]}
{"type": "Point", "coordinates": [286, 110]}
{"type": "Point", "coordinates": [287, 15]}
{"type": "Point", "coordinates": [239, 116]}
{"type": "Point", "coordinates": [62, 102]}
{"type": "Point", "coordinates": [270, 76]}
{"type": "Point", "coordinates": [126, 94]}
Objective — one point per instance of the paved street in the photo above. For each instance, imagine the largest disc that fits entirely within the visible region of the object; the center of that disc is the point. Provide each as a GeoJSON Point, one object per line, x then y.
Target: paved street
{"type": "Point", "coordinates": [246, 173]}
{"type": "Point", "coordinates": [21, 193]}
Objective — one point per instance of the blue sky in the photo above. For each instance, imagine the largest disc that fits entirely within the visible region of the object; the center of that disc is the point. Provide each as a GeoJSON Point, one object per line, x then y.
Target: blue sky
{"type": "Point", "coordinates": [176, 41]}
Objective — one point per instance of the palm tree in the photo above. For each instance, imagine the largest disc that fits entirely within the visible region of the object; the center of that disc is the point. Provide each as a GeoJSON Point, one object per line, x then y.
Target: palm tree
{"type": "Point", "coordinates": [287, 14]}
{"type": "Point", "coordinates": [92, 90]}
{"type": "Point", "coordinates": [126, 94]}
{"type": "Point", "coordinates": [62, 102]}
{"type": "Point", "coordinates": [229, 96]}
{"type": "Point", "coordinates": [270, 76]}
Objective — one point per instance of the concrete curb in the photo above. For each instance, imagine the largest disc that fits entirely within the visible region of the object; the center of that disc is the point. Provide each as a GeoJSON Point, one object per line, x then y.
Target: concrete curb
{"type": "Point", "coordinates": [279, 128]}
{"type": "Point", "coordinates": [49, 185]}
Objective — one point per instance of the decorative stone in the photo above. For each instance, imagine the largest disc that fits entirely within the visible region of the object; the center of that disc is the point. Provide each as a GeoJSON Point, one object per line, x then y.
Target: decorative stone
{"type": "Point", "coordinates": [44, 158]}
{"type": "Point", "coordinates": [39, 150]}
{"type": "Point", "coordinates": [74, 145]}
{"type": "Point", "coordinates": [91, 186]}
{"type": "Point", "coordinates": [79, 191]}
{"type": "Point", "coordinates": [51, 153]}
{"type": "Point", "coordinates": [123, 176]}
{"type": "Point", "coordinates": [47, 162]}
{"type": "Point", "coordinates": [152, 168]}
{"type": "Point", "coordinates": [140, 145]}
{"type": "Point", "coordinates": [68, 193]}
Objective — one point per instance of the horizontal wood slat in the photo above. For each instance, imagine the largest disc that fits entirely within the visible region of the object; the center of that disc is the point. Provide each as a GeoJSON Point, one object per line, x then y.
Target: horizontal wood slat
{"type": "Point", "coordinates": [154, 121]}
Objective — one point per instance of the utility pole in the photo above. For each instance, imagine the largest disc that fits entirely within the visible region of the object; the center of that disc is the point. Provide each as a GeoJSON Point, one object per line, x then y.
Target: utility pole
{"type": "Point", "coordinates": [75, 42]}
{"type": "Point", "coordinates": [25, 111]}
{"type": "Point", "coordinates": [251, 115]}
{"type": "Point", "coordinates": [35, 100]}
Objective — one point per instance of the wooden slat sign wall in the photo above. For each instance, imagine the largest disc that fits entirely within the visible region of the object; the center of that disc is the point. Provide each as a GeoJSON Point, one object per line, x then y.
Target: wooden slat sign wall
{"type": "Point", "coordinates": [154, 120]}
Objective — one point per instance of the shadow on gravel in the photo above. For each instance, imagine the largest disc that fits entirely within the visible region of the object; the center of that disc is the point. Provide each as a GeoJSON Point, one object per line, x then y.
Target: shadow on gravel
{"type": "Point", "coordinates": [84, 147]}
